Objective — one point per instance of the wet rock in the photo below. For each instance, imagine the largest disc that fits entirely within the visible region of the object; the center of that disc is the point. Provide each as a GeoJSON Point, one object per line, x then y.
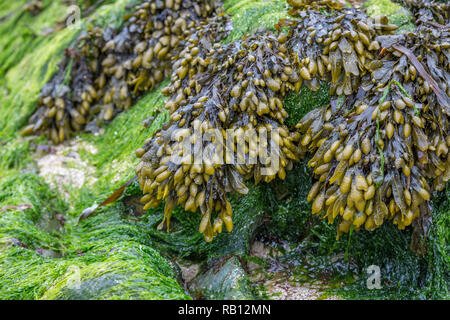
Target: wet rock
{"type": "Point", "coordinates": [188, 270]}
{"type": "Point", "coordinates": [226, 280]}
{"type": "Point", "coordinates": [290, 290]}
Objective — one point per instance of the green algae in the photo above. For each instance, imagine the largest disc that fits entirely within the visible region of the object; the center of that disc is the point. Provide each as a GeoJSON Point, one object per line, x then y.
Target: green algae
{"type": "Point", "coordinates": [23, 274]}
{"type": "Point", "coordinates": [111, 248]}
{"type": "Point", "coordinates": [15, 154]}
{"type": "Point", "coordinates": [23, 82]}
{"type": "Point", "coordinates": [29, 58]}
{"type": "Point", "coordinates": [127, 134]}
{"type": "Point", "coordinates": [227, 283]}
{"type": "Point", "coordinates": [404, 274]}
{"type": "Point", "coordinates": [249, 15]}
{"type": "Point", "coordinates": [111, 14]}
{"type": "Point", "coordinates": [381, 7]}
{"type": "Point", "coordinates": [112, 258]}
{"type": "Point", "coordinates": [289, 211]}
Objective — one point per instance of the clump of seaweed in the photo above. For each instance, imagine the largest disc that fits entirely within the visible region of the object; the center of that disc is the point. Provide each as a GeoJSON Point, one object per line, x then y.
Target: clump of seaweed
{"type": "Point", "coordinates": [232, 91]}
{"type": "Point", "coordinates": [376, 151]}
{"type": "Point", "coordinates": [110, 68]}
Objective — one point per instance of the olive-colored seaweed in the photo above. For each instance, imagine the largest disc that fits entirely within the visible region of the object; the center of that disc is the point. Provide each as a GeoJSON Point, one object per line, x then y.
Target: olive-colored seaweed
{"type": "Point", "coordinates": [110, 69]}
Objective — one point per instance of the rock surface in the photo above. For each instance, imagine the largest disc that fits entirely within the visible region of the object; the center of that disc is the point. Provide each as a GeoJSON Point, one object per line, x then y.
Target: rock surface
{"type": "Point", "coordinates": [224, 280]}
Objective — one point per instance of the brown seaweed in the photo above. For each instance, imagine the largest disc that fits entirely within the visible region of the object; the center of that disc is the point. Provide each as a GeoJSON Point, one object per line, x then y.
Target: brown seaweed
{"type": "Point", "coordinates": [109, 69]}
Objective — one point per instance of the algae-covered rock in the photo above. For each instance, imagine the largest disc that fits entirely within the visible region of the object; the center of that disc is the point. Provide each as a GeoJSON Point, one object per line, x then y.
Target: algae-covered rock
{"type": "Point", "coordinates": [104, 258]}
{"type": "Point", "coordinates": [248, 216]}
{"type": "Point", "coordinates": [225, 280]}
{"type": "Point", "coordinates": [311, 250]}
{"type": "Point", "coordinates": [105, 253]}
{"type": "Point", "coordinates": [29, 55]}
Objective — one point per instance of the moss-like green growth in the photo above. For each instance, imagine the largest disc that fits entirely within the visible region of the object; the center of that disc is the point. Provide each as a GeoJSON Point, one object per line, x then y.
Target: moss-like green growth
{"type": "Point", "coordinates": [299, 104]}
{"type": "Point", "coordinates": [105, 257]}
{"type": "Point", "coordinates": [113, 254]}
{"type": "Point", "coordinates": [41, 257]}
{"type": "Point", "coordinates": [16, 189]}
{"type": "Point", "coordinates": [23, 272]}
{"type": "Point", "coordinates": [250, 15]}
{"type": "Point", "coordinates": [404, 274]}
